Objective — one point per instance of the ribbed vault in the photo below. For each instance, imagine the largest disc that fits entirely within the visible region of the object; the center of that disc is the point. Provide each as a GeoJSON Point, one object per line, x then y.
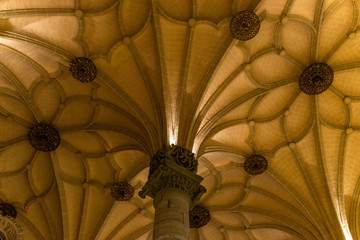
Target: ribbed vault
{"type": "Point", "coordinates": [169, 71]}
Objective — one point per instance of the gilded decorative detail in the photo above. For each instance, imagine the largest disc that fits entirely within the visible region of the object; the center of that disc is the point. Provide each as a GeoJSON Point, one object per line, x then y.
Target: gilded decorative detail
{"type": "Point", "coordinates": [244, 25]}
{"type": "Point", "coordinates": [6, 209]}
{"type": "Point", "coordinates": [43, 137]}
{"type": "Point", "coordinates": [256, 164]}
{"type": "Point", "coordinates": [83, 69]}
{"type": "Point", "coordinates": [199, 217]}
{"type": "Point", "coordinates": [316, 78]}
{"type": "Point", "coordinates": [122, 191]}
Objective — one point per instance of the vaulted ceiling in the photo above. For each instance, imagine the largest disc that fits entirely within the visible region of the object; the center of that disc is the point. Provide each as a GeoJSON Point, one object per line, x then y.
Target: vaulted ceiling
{"type": "Point", "coordinates": [169, 71]}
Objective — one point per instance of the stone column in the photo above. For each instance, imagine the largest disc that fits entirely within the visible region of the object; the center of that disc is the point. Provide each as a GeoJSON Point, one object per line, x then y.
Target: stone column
{"type": "Point", "coordinates": [176, 188]}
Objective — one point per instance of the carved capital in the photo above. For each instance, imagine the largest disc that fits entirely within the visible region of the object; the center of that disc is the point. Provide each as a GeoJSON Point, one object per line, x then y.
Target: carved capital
{"type": "Point", "coordinates": [173, 167]}
{"type": "Point", "coordinates": [177, 154]}
{"type": "Point", "coordinates": [10, 229]}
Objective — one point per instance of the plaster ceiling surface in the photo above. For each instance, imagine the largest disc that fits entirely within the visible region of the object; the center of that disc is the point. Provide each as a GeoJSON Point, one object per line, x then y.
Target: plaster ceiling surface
{"type": "Point", "coordinates": [169, 71]}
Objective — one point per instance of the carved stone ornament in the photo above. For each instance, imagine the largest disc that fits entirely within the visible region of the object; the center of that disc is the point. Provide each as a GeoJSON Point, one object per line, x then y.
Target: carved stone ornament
{"type": "Point", "coordinates": [6, 209]}
{"type": "Point", "coordinates": [10, 229]}
{"type": "Point", "coordinates": [199, 217]}
{"type": "Point", "coordinates": [43, 137]}
{"type": "Point", "coordinates": [256, 164]}
{"type": "Point", "coordinates": [316, 78]}
{"type": "Point", "coordinates": [244, 25]}
{"type": "Point", "coordinates": [173, 167]}
{"type": "Point", "coordinates": [122, 191]}
{"type": "Point", "coordinates": [83, 69]}
{"type": "Point", "coordinates": [179, 155]}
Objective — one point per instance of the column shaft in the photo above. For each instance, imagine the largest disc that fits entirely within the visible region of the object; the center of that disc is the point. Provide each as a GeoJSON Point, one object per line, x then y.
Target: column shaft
{"type": "Point", "coordinates": [171, 215]}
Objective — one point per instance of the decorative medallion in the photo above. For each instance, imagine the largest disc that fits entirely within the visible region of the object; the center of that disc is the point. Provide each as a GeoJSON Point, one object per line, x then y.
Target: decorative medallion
{"type": "Point", "coordinates": [316, 78]}
{"type": "Point", "coordinates": [179, 155]}
{"type": "Point", "coordinates": [6, 209]}
{"type": "Point", "coordinates": [198, 217]}
{"type": "Point", "coordinates": [122, 191]}
{"type": "Point", "coordinates": [256, 164]}
{"type": "Point", "coordinates": [83, 69]}
{"type": "Point", "coordinates": [43, 137]}
{"type": "Point", "coordinates": [244, 25]}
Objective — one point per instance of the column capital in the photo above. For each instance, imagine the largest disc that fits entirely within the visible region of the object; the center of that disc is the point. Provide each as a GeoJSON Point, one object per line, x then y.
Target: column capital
{"type": "Point", "coordinates": [173, 167]}
{"type": "Point", "coordinates": [10, 229]}
{"type": "Point", "coordinates": [177, 154]}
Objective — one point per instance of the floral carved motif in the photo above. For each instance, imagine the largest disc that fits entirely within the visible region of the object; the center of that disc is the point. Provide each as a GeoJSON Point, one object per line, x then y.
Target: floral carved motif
{"type": "Point", "coordinates": [122, 191]}
{"type": "Point", "coordinates": [43, 137]}
{"type": "Point", "coordinates": [83, 69]}
{"type": "Point", "coordinates": [255, 164]}
{"type": "Point", "coordinates": [199, 217]}
{"type": "Point", "coordinates": [316, 78]}
{"type": "Point", "coordinates": [244, 25]}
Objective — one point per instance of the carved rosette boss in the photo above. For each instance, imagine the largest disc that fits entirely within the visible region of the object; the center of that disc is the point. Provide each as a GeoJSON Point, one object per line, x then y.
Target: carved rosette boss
{"type": "Point", "coordinates": [83, 69]}
{"type": "Point", "coordinates": [316, 78]}
{"type": "Point", "coordinates": [244, 25]}
{"type": "Point", "coordinates": [255, 164]}
{"type": "Point", "coordinates": [174, 167]}
{"type": "Point", "coordinates": [44, 137]}
{"type": "Point", "coordinates": [199, 217]}
{"type": "Point", "coordinates": [122, 191]}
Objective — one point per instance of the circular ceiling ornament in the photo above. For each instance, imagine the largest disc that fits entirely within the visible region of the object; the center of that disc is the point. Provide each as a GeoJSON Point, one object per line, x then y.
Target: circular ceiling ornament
{"type": "Point", "coordinates": [7, 210]}
{"type": "Point", "coordinates": [43, 137]}
{"type": "Point", "coordinates": [199, 217]}
{"type": "Point", "coordinates": [83, 69]}
{"type": "Point", "coordinates": [316, 78]}
{"type": "Point", "coordinates": [255, 164]}
{"type": "Point", "coordinates": [244, 25]}
{"type": "Point", "coordinates": [122, 191]}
